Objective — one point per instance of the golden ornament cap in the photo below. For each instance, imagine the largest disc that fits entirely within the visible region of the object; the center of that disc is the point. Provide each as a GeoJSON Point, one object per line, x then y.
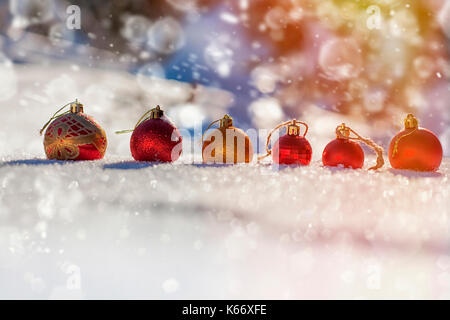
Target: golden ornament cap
{"type": "Point", "coordinates": [76, 107]}
{"type": "Point", "coordinates": [226, 121]}
{"type": "Point", "coordinates": [156, 112]}
{"type": "Point", "coordinates": [344, 130]}
{"type": "Point", "coordinates": [411, 122]}
{"type": "Point", "coordinates": [293, 129]}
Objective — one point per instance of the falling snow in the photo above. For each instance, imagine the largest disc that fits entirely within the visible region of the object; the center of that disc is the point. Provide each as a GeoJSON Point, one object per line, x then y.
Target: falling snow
{"type": "Point", "coordinates": [116, 228]}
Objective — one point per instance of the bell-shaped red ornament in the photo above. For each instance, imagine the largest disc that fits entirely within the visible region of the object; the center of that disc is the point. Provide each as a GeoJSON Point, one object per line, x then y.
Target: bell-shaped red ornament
{"type": "Point", "coordinates": [346, 152]}
{"type": "Point", "coordinates": [155, 138]}
{"type": "Point", "coordinates": [73, 135]}
{"type": "Point", "coordinates": [226, 144]}
{"type": "Point", "coordinates": [291, 148]}
{"type": "Point", "coordinates": [415, 148]}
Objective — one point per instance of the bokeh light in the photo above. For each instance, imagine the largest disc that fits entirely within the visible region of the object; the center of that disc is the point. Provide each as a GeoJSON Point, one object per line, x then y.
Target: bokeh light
{"type": "Point", "coordinates": [366, 61]}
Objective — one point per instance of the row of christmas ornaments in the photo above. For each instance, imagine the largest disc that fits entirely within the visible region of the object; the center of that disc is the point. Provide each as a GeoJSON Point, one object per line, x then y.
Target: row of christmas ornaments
{"type": "Point", "coordinates": [73, 135]}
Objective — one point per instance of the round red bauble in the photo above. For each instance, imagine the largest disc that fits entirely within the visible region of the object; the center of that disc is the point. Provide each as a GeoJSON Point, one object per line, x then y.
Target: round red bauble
{"type": "Point", "coordinates": [75, 136]}
{"type": "Point", "coordinates": [343, 152]}
{"type": "Point", "coordinates": [156, 140]}
{"type": "Point", "coordinates": [417, 149]}
{"type": "Point", "coordinates": [292, 149]}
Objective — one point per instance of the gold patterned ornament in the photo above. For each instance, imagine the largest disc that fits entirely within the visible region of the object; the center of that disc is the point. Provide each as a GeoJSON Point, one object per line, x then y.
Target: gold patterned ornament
{"type": "Point", "coordinates": [73, 135]}
{"type": "Point", "coordinates": [226, 144]}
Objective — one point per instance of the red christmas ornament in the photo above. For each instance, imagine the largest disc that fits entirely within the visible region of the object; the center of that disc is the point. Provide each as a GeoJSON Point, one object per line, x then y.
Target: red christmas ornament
{"type": "Point", "coordinates": [291, 148]}
{"type": "Point", "coordinates": [74, 135]}
{"type": "Point", "coordinates": [343, 151]}
{"type": "Point", "coordinates": [155, 138]}
{"type": "Point", "coordinates": [415, 148]}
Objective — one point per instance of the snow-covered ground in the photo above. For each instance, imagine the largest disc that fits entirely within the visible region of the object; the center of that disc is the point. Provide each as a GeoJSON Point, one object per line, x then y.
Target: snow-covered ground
{"type": "Point", "coordinates": [120, 229]}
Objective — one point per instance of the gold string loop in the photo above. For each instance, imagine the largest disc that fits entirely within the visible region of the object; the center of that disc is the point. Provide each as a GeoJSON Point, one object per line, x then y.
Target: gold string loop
{"type": "Point", "coordinates": [225, 122]}
{"type": "Point", "coordinates": [343, 132]}
{"type": "Point", "coordinates": [290, 122]}
{"type": "Point", "coordinates": [57, 114]}
{"type": "Point", "coordinates": [410, 123]}
{"type": "Point", "coordinates": [210, 125]}
{"type": "Point", "coordinates": [155, 113]}
{"type": "Point", "coordinates": [395, 150]}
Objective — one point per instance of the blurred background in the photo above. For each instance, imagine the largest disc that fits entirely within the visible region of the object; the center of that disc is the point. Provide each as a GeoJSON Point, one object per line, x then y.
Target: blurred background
{"type": "Point", "coordinates": [187, 231]}
{"type": "Point", "coordinates": [367, 63]}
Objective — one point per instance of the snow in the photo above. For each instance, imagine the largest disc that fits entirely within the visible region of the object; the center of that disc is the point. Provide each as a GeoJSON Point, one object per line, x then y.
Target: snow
{"type": "Point", "coordinates": [119, 229]}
